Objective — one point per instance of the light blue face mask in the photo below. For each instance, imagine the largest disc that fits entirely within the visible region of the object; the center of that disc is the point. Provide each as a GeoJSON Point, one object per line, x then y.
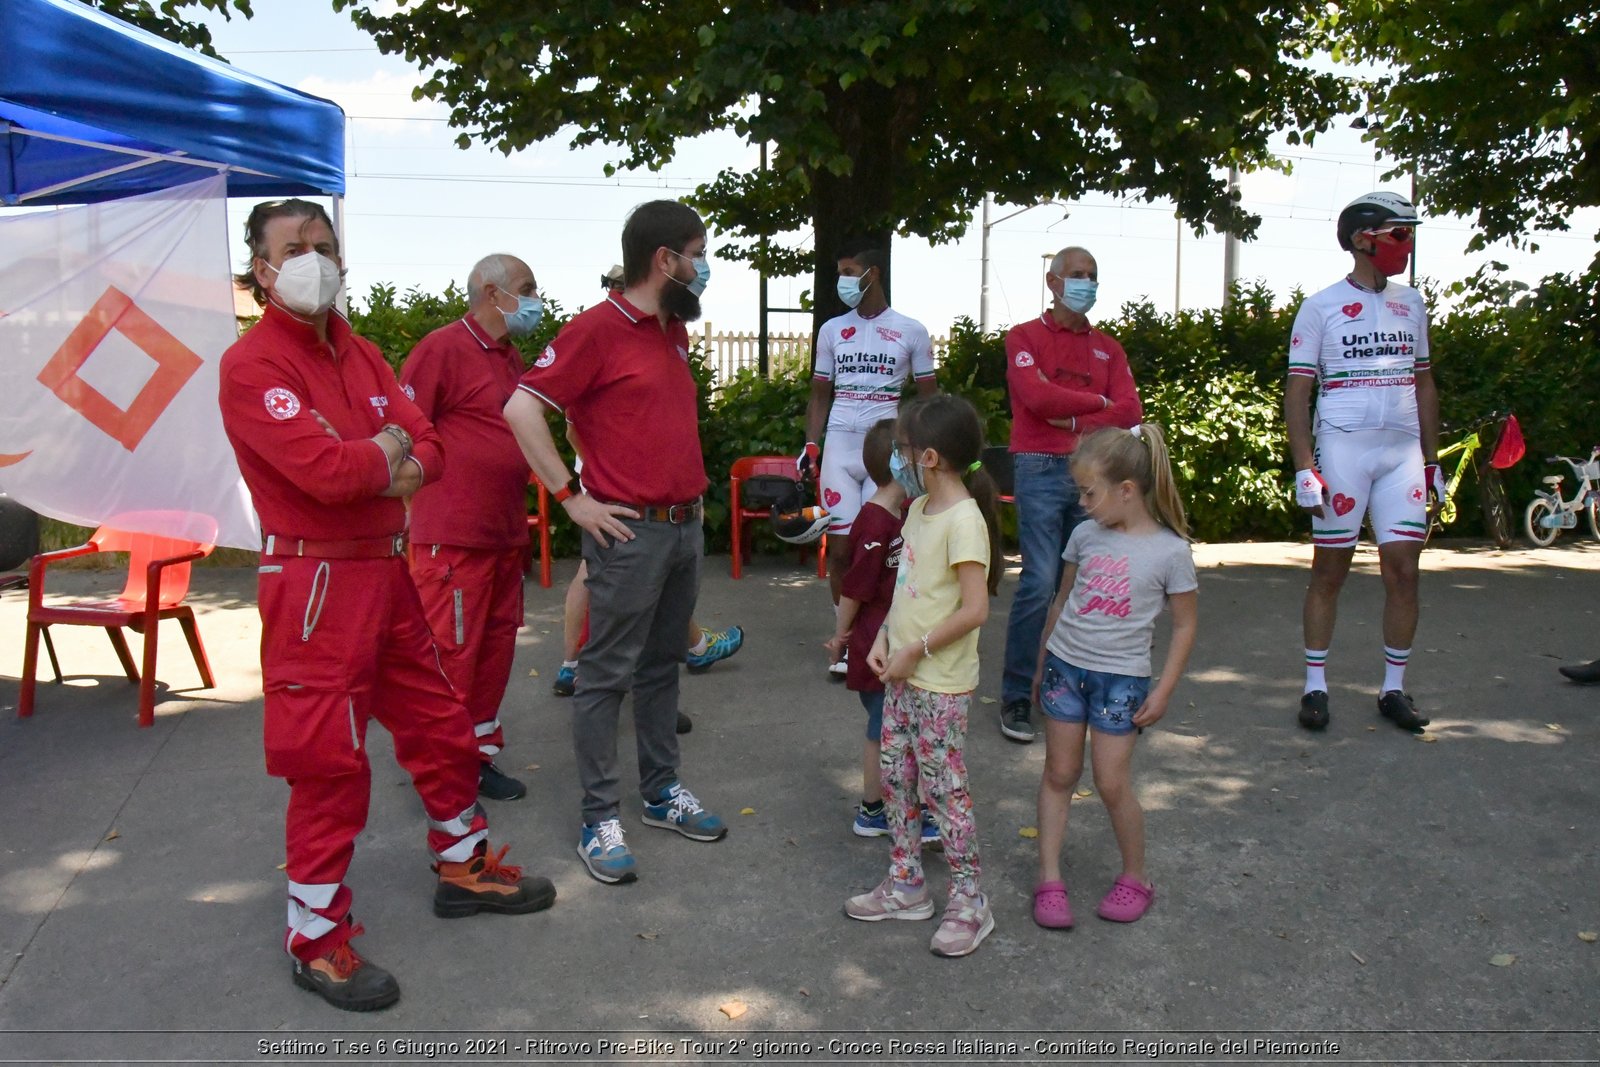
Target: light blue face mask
{"type": "Point", "coordinates": [908, 475]}
{"type": "Point", "coordinates": [702, 273]}
{"type": "Point", "coordinates": [851, 290]}
{"type": "Point", "coordinates": [1077, 294]}
{"type": "Point", "coordinates": [526, 319]}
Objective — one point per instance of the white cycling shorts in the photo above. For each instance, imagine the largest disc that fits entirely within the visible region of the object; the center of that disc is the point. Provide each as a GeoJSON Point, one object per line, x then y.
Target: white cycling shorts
{"type": "Point", "coordinates": [1373, 473]}
{"type": "Point", "coordinates": [846, 485]}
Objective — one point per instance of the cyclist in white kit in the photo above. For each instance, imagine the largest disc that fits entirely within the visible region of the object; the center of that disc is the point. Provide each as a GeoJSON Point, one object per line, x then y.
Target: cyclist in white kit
{"type": "Point", "coordinates": [1361, 345]}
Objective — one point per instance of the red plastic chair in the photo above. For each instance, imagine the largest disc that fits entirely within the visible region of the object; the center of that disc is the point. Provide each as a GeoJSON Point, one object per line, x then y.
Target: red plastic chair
{"type": "Point", "coordinates": [748, 467]}
{"type": "Point", "coordinates": [539, 523]}
{"type": "Point", "coordinates": [158, 581]}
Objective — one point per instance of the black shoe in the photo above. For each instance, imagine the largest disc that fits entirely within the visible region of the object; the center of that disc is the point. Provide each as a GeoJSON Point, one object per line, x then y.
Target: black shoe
{"type": "Point", "coordinates": [685, 724]}
{"type": "Point", "coordinates": [1583, 673]}
{"type": "Point", "coordinates": [1398, 708]}
{"type": "Point", "coordinates": [1015, 722]}
{"type": "Point", "coordinates": [1314, 710]}
{"type": "Point", "coordinates": [497, 785]}
{"type": "Point", "coordinates": [345, 980]}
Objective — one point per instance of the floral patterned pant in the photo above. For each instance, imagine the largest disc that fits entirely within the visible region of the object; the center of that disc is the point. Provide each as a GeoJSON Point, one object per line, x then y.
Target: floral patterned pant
{"type": "Point", "coordinates": [923, 737]}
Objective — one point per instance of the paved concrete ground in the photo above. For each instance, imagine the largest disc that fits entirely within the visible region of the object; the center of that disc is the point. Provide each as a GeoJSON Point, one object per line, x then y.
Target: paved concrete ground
{"type": "Point", "coordinates": [1338, 887]}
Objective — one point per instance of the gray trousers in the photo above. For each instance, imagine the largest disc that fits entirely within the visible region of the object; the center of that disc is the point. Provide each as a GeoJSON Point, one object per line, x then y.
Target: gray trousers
{"type": "Point", "coordinates": [641, 598]}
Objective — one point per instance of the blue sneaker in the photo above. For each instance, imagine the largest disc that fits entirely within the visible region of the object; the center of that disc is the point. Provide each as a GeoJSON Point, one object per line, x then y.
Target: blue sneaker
{"type": "Point", "coordinates": [566, 682]}
{"type": "Point", "coordinates": [871, 825]}
{"type": "Point", "coordinates": [930, 832]}
{"type": "Point", "coordinates": [720, 644]}
{"type": "Point", "coordinates": [604, 853]}
{"type": "Point", "coordinates": [679, 810]}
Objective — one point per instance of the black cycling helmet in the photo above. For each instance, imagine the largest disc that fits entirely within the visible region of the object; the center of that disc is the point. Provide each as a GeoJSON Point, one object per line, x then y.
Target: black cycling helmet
{"type": "Point", "coordinates": [1373, 211]}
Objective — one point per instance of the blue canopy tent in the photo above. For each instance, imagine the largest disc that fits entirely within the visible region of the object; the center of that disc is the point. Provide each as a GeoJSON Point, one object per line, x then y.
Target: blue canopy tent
{"type": "Point", "coordinates": [94, 109]}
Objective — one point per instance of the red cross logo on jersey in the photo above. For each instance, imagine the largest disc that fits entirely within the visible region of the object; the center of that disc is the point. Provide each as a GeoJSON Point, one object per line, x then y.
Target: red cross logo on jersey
{"type": "Point", "coordinates": [1416, 494]}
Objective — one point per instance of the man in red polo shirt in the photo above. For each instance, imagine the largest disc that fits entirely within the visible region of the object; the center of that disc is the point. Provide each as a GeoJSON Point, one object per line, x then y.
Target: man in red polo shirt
{"type": "Point", "coordinates": [328, 445]}
{"type": "Point", "coordinates": [469, 529]}
{"type": "Point", "coordinates": [1066, 379]}
{"type": "Point", "coordinates": [619, 373]}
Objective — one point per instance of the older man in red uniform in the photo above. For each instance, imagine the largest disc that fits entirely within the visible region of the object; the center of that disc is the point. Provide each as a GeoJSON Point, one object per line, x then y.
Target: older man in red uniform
{"type": "Point", "coordinates": [469, 529]}
{"type": "Point", "coordinates": [620, 373]}
{"type": "Point", "coordinates": [1066, 379]}
{"type": "Point", "coordinates": [329, 445]}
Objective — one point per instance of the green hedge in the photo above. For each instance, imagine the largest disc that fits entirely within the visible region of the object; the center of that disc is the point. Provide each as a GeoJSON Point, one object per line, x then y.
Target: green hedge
{"type": "Point", "coordinates": [1213, 379]}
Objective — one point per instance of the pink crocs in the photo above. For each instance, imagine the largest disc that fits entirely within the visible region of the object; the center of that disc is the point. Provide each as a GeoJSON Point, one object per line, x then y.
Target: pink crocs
{"type": "Point", "coordinates": [1128, 900]}
{"type": "Point", "coordinates": [1050, 907]}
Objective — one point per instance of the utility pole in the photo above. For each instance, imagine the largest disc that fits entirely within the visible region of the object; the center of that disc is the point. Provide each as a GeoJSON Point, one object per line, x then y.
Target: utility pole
{"type": "Point", "coordinates": [987, 225]}
{"type": "Point", "coordinates": [1177, 270]}
{"type": "Point", "coordinates": [1230, 246]}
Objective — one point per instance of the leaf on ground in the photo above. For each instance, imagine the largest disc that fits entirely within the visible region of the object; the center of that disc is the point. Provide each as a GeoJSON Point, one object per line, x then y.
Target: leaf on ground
{"type": "Point", "coordinates": [1430, 738]}
{"type": "Point", "coordinates": [283, 866]}
{"type": "Point", "coordinates": [651, 936]}
{"type": "Point", "coordinates": [790, 841]}
{"type": "Point", "coordinates": [747, 811]}
{"type": "Point", "coordinates": [986, 700]}
{"type": "Point", "coordinates": [1357, 957]}
{"type": "Point", "coordinates": [1080, 794]}
{"type": "Point", "coordinates": [1371, 729]}
{"type": "Point", "coordinates": [533, 673]}
{"type": "Point", "coordinates": [804, 992]}
{"type": "Point", "coordinates": [1504, 959]}
{"type": "Point", "coordinates": [1554, 727]}
{"type": "Point", "coordinates": [1028, 832]}
{"type": "Point", "coordinates": [113, 835]}
{"type": "Point", "coordinates": [1589, 936]}
{"type": "Point", "coordinates": [531, 767]}
{"type": "Point", "coordinates": [734, 1008]}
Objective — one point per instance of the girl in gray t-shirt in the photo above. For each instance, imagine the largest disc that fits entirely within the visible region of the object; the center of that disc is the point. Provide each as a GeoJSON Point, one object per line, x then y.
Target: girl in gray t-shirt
{"type": "Point", "coordinates": [1120, 569]}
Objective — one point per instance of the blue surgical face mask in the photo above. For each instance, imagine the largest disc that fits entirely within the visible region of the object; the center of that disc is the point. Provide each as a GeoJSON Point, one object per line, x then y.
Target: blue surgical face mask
{"type": "Point", "coordinates": [908, 475]}
{"type": "Point", "coordinates": [851, 290]}
{"type": "Point", "coordinates": [1077, 294]}
{"type": "Point", "coordinates": [525, 319]}
{"type": "Point", "coordinates": [702, 273]}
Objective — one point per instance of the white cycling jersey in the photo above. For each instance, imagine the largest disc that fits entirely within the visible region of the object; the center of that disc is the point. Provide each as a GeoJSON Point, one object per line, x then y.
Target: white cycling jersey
{"type": "Point", "coordinates": [1364, 349]}
{"type": "Point", "coordinates": [868, 362]}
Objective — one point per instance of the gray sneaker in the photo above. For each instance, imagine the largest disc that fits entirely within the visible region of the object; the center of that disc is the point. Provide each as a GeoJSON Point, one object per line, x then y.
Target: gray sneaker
{"type": "Point", "coordinates": [967, 921]}
{"type": "Point", "coordinates": [1016, 722]}
{"type": "Point", "coordinates": [887, 902]}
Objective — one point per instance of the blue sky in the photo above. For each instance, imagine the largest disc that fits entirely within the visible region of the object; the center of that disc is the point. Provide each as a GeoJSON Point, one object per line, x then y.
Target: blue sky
{"type": "Point", "coordinates": [420, 211]}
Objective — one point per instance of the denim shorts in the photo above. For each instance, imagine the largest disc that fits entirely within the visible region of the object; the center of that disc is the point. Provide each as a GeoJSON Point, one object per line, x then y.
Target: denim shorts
{"type": "Point", "coordinates": [873, 702]}
{"type": "Point", "coordinates": [1105, 701]}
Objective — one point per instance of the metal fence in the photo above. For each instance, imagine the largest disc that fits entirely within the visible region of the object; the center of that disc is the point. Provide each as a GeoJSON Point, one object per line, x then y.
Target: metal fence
{"type": "Point", "coordinates": [729, 353]}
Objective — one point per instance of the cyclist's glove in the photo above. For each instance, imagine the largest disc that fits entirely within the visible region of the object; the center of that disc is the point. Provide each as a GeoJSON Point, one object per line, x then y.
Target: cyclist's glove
{"type": "Point", "coordinates": [805, 463]}
{"type": "Point", "coordinates": [1310, 491]}
{"type": "Point", "coordinates": [1433, 476]}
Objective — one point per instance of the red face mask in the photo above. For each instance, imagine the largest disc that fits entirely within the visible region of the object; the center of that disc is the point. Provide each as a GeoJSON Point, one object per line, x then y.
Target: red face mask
{"type": "Point", "coordinates": [1390, 255]}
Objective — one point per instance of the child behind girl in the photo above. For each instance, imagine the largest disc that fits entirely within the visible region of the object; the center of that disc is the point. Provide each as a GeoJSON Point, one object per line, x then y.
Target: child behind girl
{"type": "Point", "coordinates": [865, 594]}
{"type": "Point", "coordinates": [1094, 666]}
{"type": "Point", "coordinates": [926, 654]}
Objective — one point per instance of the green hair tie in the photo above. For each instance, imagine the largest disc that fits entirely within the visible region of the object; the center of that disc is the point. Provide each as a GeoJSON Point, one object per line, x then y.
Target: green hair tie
{"type": "Point", "coordinates": [975, 465]}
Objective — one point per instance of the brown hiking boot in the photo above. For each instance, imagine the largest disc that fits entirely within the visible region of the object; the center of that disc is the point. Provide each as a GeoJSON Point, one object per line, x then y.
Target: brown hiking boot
{"type": "Point", "coordinates": [483, 883]}
{"type": "Point", "coordinates": [342, 978]}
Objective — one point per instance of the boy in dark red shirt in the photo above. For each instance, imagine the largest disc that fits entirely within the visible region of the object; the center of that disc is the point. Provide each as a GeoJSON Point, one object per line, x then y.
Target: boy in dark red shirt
{"type": "Point", "coordinates": [865, 594]}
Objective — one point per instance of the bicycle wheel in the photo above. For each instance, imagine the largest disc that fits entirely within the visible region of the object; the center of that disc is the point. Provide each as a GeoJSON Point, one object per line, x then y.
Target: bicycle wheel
{"type": "Point", "coordinates": [1496, 508]}
{"type": "Point", "coordinates": [1542, 536]}
{"type": "Point", "coordinates": [1593, 511]}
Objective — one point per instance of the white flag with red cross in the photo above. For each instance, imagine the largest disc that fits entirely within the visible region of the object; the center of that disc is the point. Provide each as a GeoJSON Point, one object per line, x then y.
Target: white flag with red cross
{"type": "Point", "coordinates": [113, 318]}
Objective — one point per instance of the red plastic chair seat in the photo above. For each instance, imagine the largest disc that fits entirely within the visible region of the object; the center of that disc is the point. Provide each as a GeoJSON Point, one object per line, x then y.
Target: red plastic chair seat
{"type": "Point", "coordinates": [157, 583]}
{"type": "Point", "coordinates": [745, 468]}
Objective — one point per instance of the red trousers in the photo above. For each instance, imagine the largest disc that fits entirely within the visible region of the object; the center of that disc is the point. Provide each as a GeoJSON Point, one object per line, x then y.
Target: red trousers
{"type": "Point", "coordinates": [473, 600]}
{"type": "Point", "coordinates": [344, 641]}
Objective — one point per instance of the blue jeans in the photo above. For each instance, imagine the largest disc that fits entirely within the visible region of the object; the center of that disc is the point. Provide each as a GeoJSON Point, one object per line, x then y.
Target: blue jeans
{"type": "Point", "coordinates": [1047, 513]}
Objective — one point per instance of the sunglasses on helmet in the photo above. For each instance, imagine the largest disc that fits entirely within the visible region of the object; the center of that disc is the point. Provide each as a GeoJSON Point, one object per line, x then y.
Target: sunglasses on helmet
{"type": "Point", "coordinates": [1399, 234]}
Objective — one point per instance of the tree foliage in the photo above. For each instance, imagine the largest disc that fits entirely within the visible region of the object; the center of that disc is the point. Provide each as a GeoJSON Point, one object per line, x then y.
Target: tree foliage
{"type": "Point", "coordinates": [885, 116]}
{"type": "Point", "coordinates": [1496, 104]}
{"type": "Point", "coordinates": [165, 18]}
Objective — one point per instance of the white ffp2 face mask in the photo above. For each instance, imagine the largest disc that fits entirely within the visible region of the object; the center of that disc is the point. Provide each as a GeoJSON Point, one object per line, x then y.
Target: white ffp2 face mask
{"type": "Point", "coordinates": [308, 283]}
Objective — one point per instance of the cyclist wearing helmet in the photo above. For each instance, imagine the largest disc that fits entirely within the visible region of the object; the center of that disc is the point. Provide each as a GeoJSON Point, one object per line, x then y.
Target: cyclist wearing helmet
{"type": "Point", "coordinates": [1362, 346]}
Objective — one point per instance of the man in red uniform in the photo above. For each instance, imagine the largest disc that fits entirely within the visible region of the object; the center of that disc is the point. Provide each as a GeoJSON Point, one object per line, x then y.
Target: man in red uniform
{"type": "Point", "coordinates": [1066, 379]}
{"type": "Point", "coordinates": [469, 529]}
{"type": "Point", "coordinates": [329, 445]}
{"type": "Point", "coordinates": [619, 372]}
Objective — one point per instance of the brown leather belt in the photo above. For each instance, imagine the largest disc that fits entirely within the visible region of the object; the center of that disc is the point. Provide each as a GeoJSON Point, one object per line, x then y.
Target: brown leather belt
{"type": "Point", "coordinates": [359, 548]}
{"type": "Point", "coordinates": [673, 513]}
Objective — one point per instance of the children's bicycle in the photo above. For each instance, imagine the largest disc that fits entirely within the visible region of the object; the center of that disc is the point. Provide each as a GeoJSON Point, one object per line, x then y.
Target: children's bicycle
{"type": "Point", "coordinates": [1549, 514]}
{"type": "Point", "coordinates": [1476, 449]}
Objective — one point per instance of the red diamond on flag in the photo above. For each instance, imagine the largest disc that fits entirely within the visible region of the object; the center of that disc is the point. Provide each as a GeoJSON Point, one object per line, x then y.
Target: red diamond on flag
{"type": "Point", "coordinates": [175, 365]}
